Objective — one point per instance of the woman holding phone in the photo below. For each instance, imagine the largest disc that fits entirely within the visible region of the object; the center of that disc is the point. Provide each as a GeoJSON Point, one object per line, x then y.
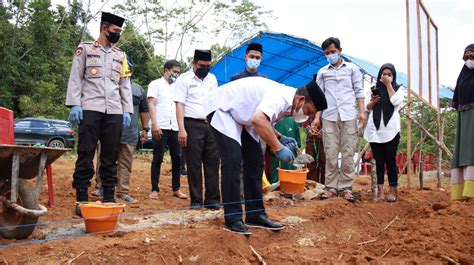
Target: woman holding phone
{"type": "Point", "coordinates": [383, 128]}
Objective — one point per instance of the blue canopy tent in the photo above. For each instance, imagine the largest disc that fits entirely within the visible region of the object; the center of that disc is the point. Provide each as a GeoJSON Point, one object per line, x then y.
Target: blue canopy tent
{"type": "Point", "coordinates": [287, 59]}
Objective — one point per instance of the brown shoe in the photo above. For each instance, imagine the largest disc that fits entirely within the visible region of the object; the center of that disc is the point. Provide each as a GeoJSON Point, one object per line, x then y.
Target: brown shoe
{"type": "Point", "coordinates": [393, 194]}
{"type": "Point", "coordinates": [180, 194]}
{"type": "Point", "coordinates": [380, 193]}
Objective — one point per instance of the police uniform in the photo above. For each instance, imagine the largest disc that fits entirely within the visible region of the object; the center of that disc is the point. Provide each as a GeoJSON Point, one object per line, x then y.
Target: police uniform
{"type": "Point", "coordinates": [99, 85]}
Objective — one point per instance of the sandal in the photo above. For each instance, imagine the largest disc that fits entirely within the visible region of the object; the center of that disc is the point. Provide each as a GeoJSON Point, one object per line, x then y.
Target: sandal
{"type": "Point", "coordinates": [153, 195]}
{"type": "Point", "coordinates": [347, 195]}
{"type": "Point", "coordinates": [329, 193]}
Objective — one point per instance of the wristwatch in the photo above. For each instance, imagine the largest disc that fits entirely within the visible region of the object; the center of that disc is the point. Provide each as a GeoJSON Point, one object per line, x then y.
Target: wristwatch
{"type": "Point", "coordinates": [146, 129]}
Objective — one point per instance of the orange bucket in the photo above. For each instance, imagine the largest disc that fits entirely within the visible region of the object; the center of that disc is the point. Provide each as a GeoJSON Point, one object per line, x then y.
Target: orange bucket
{"type": "Point", "coordinates": [292, 181]}
{"type": "Point", "coordinates": [101, 217]}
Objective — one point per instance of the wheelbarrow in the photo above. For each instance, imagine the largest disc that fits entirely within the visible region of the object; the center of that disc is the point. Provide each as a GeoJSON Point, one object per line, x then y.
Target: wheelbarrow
{"type": "Point", "coordinates": [19, 198]}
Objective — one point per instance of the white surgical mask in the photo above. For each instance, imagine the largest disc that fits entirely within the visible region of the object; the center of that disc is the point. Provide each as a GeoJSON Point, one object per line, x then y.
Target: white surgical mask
{"type": "Point", "coordinates": [470, 64]}
{"type": "Point", "coordinates": [253, 63]}
{"type": "Point", "coordinates": [333, 58]}
{"type": "Point", "coordinates": [299, 116]}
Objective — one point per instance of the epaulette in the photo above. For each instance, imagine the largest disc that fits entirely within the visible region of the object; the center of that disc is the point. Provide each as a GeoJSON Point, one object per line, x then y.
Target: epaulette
{"type": "Point", "coordinates": [116, 48]}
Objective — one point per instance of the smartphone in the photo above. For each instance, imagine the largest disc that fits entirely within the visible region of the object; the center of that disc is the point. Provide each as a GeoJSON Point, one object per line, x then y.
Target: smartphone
{"type": "Point", "coordinates": [375, 91]}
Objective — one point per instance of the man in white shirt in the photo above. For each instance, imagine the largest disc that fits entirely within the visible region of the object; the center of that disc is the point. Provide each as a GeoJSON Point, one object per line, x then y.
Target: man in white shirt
{"type": "Point", "coordinates": [164, 128]}
{"type": "Point", "coordinates": [195, 134]}
{"type": "Point", "coordinates": [342, 84]}
{"type": "Point", "coordinates": [241, 113]}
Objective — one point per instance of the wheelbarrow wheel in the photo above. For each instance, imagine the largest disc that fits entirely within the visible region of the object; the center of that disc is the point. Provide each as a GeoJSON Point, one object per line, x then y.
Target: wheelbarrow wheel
{"type": "Point", "coordinates": [19, 226]}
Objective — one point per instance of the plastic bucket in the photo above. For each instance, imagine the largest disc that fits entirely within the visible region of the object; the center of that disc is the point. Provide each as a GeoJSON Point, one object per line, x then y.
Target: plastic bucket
{"type": "Point", "coordinates": [292, 181]}
{"type": "Point", "coordinates": [101, 217]}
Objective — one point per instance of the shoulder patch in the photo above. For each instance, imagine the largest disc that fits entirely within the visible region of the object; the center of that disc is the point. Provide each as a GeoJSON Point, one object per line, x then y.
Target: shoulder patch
{"type": "Point", "coordinates": [79, 51]}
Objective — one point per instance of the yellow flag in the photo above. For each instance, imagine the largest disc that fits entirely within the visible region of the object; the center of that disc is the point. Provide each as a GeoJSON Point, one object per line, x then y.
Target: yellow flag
{"type": "Point", "coordinates": [125, 70]}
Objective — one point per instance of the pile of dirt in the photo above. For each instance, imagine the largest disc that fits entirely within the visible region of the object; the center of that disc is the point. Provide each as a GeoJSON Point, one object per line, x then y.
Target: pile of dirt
{"type": "Point", "coordinates": [422, 227]}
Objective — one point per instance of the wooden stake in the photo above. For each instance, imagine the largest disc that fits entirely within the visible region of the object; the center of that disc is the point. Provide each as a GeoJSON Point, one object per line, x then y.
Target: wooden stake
{"type": "Point", "coordinates": [440, 144]}
{"type": "Point", "coordinates": [391, 222]}
{"type": "Point", "coordinates": [71, 260]}
{"type": "Point", "coordinates": [180, 259]}
{"type": "Point", "coordinates": [386, 252]}
{"type": "Point", "coordinates": [259, 257]}
{"type": "Point", "coordinates": [450, 260]}
{"type": "Point", "coordinates": [163, 259]}
{"type": "Point", "coordinates": [340, 256]}
{"type": "Point", "coordinates": [373, 219]}
{"type": "Point", "coordinates": [367, 242]}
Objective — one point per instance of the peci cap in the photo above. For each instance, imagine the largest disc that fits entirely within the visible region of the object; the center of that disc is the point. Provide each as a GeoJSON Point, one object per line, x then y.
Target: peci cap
{"type": "Point", "coordinates": [112, 19]}
{"type": "Point", "coordinates": [203, 55]}
{"type": "Point", "coordinates": [254, 47]}
{"type": "Point", "coordinates": [317, 95]}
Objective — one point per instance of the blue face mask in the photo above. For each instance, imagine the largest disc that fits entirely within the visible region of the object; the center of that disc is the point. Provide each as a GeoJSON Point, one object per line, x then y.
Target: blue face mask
{"type": "Point", "coordinates": [333, 58]}
{"type": "Point", "coordinates": [253, 63]}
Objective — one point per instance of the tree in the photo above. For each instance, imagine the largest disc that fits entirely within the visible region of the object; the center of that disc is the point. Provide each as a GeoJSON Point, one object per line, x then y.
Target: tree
{"type": "Point", "coordinates": [38, 43]}
{"type": "Point", "coordinates": [185, 24]}
{"type": "Point", "coordinates": [140, 51]}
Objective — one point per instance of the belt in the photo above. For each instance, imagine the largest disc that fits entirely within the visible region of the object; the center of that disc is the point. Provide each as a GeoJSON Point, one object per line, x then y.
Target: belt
{"type": "Point", "coordinates": [194, 119]}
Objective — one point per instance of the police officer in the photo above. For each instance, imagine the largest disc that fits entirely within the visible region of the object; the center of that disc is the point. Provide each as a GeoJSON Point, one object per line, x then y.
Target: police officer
{"type": "Point", "coordinates": [100, 97]}
{"type": "Point", "coordinates": [253, 58]}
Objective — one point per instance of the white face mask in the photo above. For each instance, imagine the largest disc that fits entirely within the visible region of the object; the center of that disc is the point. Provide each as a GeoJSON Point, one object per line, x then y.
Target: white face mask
{"type": "Point", "coordinates": [299, 116]}
{"type": "Point", "coordinates": [470, 64]}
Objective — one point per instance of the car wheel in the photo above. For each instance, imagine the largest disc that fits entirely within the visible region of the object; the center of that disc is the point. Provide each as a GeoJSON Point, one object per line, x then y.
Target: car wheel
{"type": "Point", "coordinates": [56, 144]}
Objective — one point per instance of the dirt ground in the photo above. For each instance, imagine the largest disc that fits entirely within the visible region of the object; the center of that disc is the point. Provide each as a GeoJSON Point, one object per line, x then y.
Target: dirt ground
{"type": "Point", "coordinates": [423, 227]}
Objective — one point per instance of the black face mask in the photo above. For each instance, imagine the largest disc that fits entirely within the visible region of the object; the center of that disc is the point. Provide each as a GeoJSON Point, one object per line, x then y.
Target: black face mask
{"type": "Point", "coordinates": [113, 37]}
{"type": "Point", "coordinates": [202, 72]}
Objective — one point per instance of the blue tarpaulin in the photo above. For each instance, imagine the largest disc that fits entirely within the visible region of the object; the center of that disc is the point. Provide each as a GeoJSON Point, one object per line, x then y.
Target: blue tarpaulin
{"type": "Point", "coordinates": [287, 59]}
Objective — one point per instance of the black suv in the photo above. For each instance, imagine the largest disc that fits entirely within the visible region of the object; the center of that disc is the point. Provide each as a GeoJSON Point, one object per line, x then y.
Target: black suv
{"type": "Point", "coordinates": [52, 133]}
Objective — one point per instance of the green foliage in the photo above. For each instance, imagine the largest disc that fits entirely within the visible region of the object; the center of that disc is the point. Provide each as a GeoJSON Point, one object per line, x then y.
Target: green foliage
{"type": "Point", "coordinates": [38, 40]}
{"type": "Point", "coordinates": [428, 118]}
{"type": "Point", "coordinates": [37, 44]}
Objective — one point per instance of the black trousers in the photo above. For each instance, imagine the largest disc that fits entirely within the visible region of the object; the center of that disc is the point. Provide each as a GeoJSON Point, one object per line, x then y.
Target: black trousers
{"type": "Point", "coordinates": [201, 151]}
{"type": "Point", "coordinates": [170, 139]}
{"type": "Point", "coordinates": [385, 157]}
{"type": "Point", "coordinates": [97, 126]}
{"type": "Point", "coordinates": [233, 157]}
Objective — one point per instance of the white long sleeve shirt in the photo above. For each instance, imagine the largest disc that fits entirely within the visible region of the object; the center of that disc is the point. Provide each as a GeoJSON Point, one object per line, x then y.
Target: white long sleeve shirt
{"type": "Point", "coordinates": [385, 133]}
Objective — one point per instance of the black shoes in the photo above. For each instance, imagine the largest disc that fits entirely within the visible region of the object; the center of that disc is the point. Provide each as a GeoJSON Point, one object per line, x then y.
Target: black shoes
{"type": "Point", "coordinates": [262, 221]}
{"type": "Point", "coordinates": [237, 227]}
{"type": "Point", "coordinates": [195, 205]}
{"type": "Point", "coordinates": [213, 206]}
{"type": "Point", "coordinates": [109, 194]}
